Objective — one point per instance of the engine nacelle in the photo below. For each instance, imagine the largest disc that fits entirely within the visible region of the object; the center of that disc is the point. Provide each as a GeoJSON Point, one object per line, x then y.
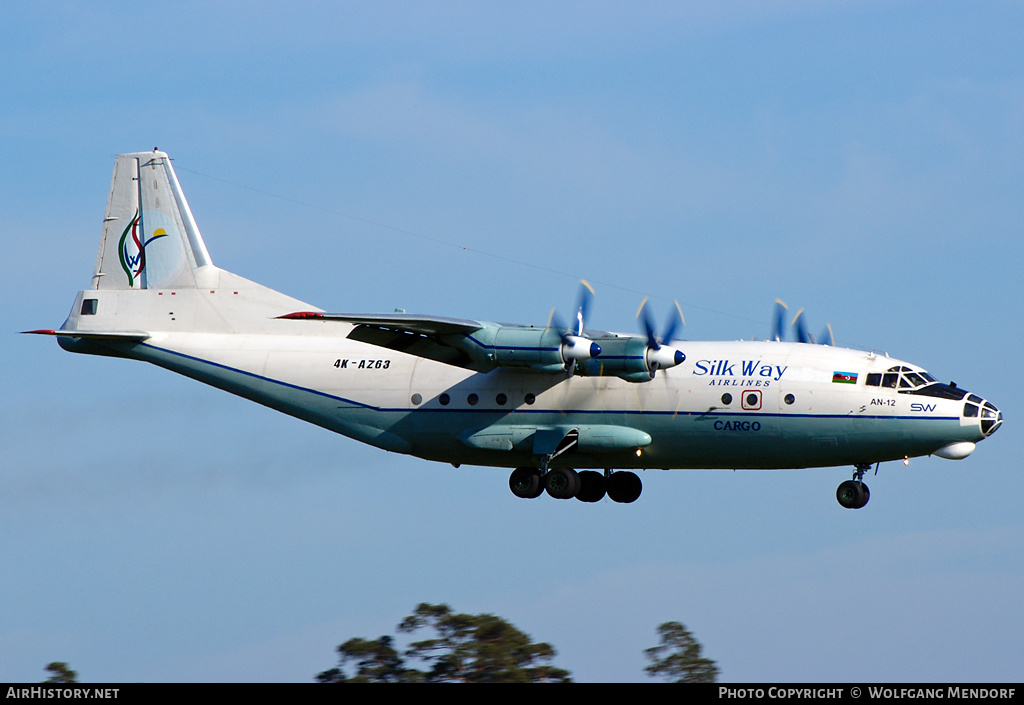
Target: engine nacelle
{"type": "Point", "coordinates": [541, 349]}
{"type": "Point", "coordinates": [624, 357]}
{"type": "Point", "coordinates": [631, 359]}
{"type": "Point", "coordinates": [550, 350]}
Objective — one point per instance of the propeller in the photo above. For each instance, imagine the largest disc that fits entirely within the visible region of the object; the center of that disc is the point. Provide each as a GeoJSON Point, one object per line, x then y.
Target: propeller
{"type": "Point", "coordinates": [575, 345]}
{"type": "Point", "coordinates": [583, 304]}
{"type": "Point", "coordinates": [779, 323]}
{"type": "Point", "coordinates": [826, 336]}
{"type": "Point", "coordinates": [799, 327]}
{"type": "Point", "coordinates": [802, 336]}
{"type": "Point", "coordinates": [660, 354]}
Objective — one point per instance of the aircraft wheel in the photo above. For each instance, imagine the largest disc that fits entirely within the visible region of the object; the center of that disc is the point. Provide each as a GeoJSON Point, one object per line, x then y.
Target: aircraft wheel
{"type": "Point", "coordinates": [562, 483]}
{"type": "Point", "coordinates": [592, 486]}
{"type": "Point", "coordinates": [852, 494]}
{"type": "Point", "coordinates": [624, 487]}
{"type": "Point", "coordinates": [525, 483]}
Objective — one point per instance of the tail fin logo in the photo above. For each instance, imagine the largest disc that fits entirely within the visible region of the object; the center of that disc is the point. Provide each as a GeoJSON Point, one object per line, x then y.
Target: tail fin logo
{"type": "Point", "coordinates": [132, 250]}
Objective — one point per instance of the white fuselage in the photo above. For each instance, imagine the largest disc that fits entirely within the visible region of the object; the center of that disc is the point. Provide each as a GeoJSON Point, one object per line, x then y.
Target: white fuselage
{"type": "Point", "coordinates": [542, 400]}
{"type": "Point", "coordinates": [733, 404]}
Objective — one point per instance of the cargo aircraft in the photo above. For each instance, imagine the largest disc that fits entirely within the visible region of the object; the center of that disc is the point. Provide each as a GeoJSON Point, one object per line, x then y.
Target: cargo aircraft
{"type": "Point", "coordinates": [573, 411]}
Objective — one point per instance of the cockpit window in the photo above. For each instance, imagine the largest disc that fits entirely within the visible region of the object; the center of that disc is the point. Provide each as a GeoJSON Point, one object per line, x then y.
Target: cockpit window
{"type": "Point", "coordinates": [901, 377]}
{"type": "Point", "coordinates": [915, 379]}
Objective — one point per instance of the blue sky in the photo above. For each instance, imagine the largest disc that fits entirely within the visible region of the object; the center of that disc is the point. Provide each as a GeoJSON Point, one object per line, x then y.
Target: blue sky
{"type": "Point", "coordinates": [862, 160]}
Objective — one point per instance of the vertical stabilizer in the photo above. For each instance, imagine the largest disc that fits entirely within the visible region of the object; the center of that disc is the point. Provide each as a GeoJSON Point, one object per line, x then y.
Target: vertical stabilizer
{"type": "Point", "coordinates": [150, 239]}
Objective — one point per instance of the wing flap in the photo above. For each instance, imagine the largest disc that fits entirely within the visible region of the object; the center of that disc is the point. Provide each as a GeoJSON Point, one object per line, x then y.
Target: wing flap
{"type": "Point", "coordinates": [412, 323]}
{"type": "Point", "coordinates": [431, 337]}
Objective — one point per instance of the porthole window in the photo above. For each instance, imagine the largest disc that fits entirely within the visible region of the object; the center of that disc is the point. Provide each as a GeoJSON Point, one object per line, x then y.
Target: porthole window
{"type": "Point", "coordinates": [751, 400]}
{"type": "Point", "coordinates": [789, 399]}
{"type": "Point", "coordinates": [727, 399]}
{"type": "Point", "coordinates": [444, 399]}
{"type": "Point", "coordinates": [417, 399]}
{"type": "Point", "coordinates": [472, 399]}
{"type": "Point", "coordinates": [530, 398]}
{"type": "Point", "coordinates": [90, 306]}
{"type": "Point", "coordinates": [501, 399]}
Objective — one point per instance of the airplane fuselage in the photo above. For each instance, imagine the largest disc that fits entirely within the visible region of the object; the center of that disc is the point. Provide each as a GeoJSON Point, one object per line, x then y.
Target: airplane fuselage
{"type": "Point", "coordinates": [738, 404]}
{"type": "Point", "coordinates": [543, 400]}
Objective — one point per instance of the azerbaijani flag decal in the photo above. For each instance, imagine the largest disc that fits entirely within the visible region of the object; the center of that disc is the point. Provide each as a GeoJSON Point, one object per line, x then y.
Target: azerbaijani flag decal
{"type": "Point", "coordinates": [844, 377]}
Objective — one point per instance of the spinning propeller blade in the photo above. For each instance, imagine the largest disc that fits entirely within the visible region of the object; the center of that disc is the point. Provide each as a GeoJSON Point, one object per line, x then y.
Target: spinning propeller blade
{"type": "Point", "coordinates": [826, 335]}
{"type": "Point", "coordinates": [575, 345]}
{"type": "Point", "coordinates": [583, 304]}
{"type": "Point", "coordinates": [660, 353]}
{"type": "Point", "coordinates": [799, 327]}
{"type": "Point", "coordinates": [801, 330]}
{"type": "Point", "coordinates": [779, 324]}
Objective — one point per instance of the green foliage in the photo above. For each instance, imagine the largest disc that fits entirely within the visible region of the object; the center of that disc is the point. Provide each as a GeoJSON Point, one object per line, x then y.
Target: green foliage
{"type": "Point", "coordinates": [60, 673]}
{"type": "Point", "coordinates": [465, 648]}
{"type": "Point", "coordinates": [377, 661]}
{"type": "Point", "coordinates": [677, 658]}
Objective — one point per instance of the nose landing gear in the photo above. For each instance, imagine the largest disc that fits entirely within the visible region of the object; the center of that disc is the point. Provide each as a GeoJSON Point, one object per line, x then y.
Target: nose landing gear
{"type": "Point", "coordinates": [854, 494]}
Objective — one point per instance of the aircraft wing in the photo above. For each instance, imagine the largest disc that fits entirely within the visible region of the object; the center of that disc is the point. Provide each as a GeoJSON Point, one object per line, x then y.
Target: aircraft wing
{"type": "Point", "coordinates": [434, 337]}
{"type": "Point", "coordinates": [407, 322]}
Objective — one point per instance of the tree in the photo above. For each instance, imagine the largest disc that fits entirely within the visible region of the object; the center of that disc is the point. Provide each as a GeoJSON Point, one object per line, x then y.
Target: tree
{"type": "Point", "coordinates": [60, 673]}
{"type": "Point", "coordinates": [465, 648]}
{"type": "Point", "coordinates": [377, 661]}
{"type": "Point", "coordinates": [678, 659]}
{"type": "Point", "coordinates": [478, 649]}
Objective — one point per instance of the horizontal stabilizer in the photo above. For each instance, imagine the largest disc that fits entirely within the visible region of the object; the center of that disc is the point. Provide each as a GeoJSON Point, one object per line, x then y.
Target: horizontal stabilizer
{"type": "Point", "coordinates": [136, 335]}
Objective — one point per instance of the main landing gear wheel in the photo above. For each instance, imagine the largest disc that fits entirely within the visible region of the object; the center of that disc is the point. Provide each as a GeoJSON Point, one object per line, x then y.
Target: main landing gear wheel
{"type": "Point", "coordinates": [592, 486]}
{"type": "Point", "coordinates": [853, 494]}
{"type": "Point", "coordinates": [562, 483]}
{"type": "Point", "coordinates": [624, 487]}
{"type": "Point", "coordinates": [565, 483]}
{"type": "Point", "coordinates": [526, 483]}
